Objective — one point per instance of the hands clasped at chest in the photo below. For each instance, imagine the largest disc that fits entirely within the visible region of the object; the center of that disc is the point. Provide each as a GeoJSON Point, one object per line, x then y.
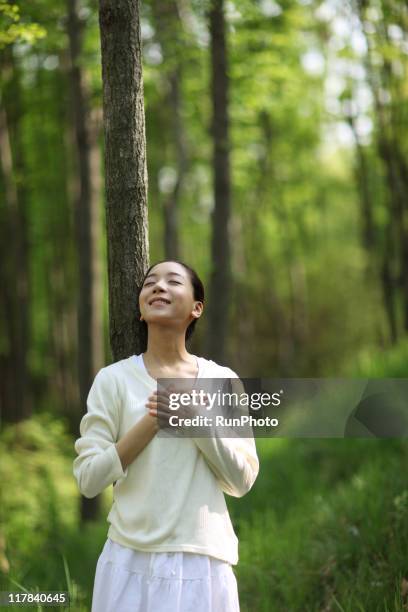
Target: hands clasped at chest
{"type": "Point", "coordinates": [162, 405]}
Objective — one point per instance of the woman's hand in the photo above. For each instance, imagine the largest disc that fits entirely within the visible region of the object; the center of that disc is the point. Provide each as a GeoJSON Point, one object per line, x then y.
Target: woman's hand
{"type": "Point", "coordinates": [158, 406]}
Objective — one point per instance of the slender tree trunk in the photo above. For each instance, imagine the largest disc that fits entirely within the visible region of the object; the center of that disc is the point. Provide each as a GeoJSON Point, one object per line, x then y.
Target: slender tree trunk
{"type": "Point", "coordinates": [402, 166]}
{"type": "Point", "coordinates": [388, 286]}
{"type": "Point", "coordinates": [125, 169]}
{"type": "Point", "coordinates": [60, 282]}
{"type": "Point", "coordinates": [170, 36]}
{"type": "Point", "coordinates": [15, 393]}
{"type": "Point", "coordinates": [395, 232]}
{"type": "Point", "coordinates": [87, 227]}
{"type": "Point", "coordinates": [362, 178]}
{"type": "Point", "coordinates": [8, 228]}
{"type": "Point", "coordinates": [171, 202]}
{"type": "Point", "coordinates": [220, 282]}
{"type": "Point", "coordinates": [389, 152]}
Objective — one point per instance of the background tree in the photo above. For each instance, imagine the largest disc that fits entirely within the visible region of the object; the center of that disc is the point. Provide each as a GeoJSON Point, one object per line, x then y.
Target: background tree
{"type": "Point", "coordinates": [170, 36]}
{"type": "Point", "coordinates": [220, 281]}
{"type": "Point", "coordinates": [87, 228]}
{"type": "Point", "coordinates": [16, 383]}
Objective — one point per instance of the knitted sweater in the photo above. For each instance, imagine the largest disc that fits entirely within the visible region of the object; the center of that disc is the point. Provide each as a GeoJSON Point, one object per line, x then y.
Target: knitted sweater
{"type": "Point", "coordinates": [171, 497]}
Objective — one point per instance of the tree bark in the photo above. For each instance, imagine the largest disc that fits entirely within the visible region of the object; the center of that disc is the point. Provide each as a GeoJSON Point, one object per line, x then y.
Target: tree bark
{"type": "Point", "coordinates": [220, 282]}
{"type": "Point", "coordinates": [87, 230]}
{"type": "Point", "coordinates": [125, 169]}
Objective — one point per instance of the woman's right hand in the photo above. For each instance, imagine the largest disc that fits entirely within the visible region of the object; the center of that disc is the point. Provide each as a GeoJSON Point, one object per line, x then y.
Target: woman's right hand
{"type": "Point", "coordinates": [158, 406]}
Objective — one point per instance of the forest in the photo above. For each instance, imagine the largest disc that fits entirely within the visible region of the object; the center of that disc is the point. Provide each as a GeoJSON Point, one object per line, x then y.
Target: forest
{"type": "Point", "coordinates": [265, 144]}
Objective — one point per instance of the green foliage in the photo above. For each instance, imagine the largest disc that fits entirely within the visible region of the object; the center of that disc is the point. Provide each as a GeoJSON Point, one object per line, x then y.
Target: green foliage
{"type": "Point", "coordinates": [296, 208]}
{"type": "Point", "coordinates": [12, 29]}
{"type": "Point", "coordinates": [324, 526]}
{"type": "Point", "coordinates": [334, 537]}
{"type": "Point", "coordinates": [391, 363]}
{"type": "Point", "coordinates": [46, 548]}
{"type": "Point", "coordinates": [40, 487]}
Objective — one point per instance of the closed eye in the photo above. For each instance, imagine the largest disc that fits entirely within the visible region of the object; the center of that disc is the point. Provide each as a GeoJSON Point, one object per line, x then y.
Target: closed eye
{"type": "Point", "coordinates": [149, 283]}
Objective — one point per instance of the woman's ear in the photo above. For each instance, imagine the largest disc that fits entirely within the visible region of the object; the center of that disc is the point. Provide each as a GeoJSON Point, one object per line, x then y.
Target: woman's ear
{"type": "Point", "coordinates": [198, 310]}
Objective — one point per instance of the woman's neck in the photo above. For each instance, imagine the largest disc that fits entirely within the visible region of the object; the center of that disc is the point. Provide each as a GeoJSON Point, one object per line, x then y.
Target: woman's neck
{"type": "Point", "coordinates": [166, 347]}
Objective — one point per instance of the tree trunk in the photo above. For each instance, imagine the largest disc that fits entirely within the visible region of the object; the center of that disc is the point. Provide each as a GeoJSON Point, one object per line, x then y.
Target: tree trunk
{"type": "Point", "coordinates": [87, 229]}
{"type": "Point", "coordinates": [388, 147]}
{"type": "Point", "coordinates": [170, 36]}
{"type": "Point", "coordinates": [15, 393]}
{"type": "Point", "coordinates": [59, 265]}
{"type": "Point", "coordinates": [220, 282]}
{"type": "Point", "coordinates": [363, 184]}
{"type": "Point", "coordinates": [125, 169]}
{"type": "Point", "coordinates": [171, 202]}
{"type": "Point", "coordinates": [388, 287]}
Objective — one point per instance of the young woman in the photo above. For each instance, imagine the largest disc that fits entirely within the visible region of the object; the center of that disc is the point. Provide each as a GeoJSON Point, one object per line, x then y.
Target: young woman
{"type": "Point", "coordinates": [170, 545]}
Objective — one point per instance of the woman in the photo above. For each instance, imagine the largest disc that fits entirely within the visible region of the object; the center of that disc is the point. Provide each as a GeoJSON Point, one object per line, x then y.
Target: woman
{"type": "Point", "coordinates": [171, 545]}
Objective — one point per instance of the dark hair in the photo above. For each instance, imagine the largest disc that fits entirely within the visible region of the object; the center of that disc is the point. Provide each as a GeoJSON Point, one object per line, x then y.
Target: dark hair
{"type": "Point", "coordinates": [198, 292]}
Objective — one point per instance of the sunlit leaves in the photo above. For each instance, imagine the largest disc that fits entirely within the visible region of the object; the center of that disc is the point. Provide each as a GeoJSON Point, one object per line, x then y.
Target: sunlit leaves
{"type": "Point", "coordinates": [13, 29]}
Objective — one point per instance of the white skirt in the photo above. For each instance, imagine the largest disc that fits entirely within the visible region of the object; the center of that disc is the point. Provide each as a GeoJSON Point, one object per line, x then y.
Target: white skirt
{"type": "Point", "coordinates": [128, 580]}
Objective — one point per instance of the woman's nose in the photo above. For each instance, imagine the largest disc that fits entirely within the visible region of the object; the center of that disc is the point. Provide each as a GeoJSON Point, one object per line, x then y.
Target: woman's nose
{"type": "Point", "coordinates": [159, 286]}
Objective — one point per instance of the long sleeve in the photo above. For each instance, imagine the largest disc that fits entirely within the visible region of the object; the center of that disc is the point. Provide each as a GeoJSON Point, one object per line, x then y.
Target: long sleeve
{"type": "Point", "coordinates": [234, 461]}
{"type": "Point", "coordinates": [98, 464]}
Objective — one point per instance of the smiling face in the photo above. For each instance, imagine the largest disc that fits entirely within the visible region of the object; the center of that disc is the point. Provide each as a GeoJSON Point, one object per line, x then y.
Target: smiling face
{"type": "Point", "coordinates": [167, 296]}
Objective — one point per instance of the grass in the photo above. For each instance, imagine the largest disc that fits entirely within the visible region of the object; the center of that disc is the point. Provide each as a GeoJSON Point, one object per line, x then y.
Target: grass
{"type": "Point", "coordinates": [335, 537]}
{"type": "Point", "coordinates": [324, 529]}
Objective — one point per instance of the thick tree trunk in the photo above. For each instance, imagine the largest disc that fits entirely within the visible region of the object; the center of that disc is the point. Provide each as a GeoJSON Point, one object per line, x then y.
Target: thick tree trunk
{"type": "Point", "coordinates": [15, 391]}
{"type": "Point", "coordinates": [125, 169]}
{"type": "Point", "coordinates": [87, 229]}
{"type": "Point", "coordinates": [220, 282]}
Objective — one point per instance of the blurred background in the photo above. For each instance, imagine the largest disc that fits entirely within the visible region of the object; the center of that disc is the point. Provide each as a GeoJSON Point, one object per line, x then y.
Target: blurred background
{"type": "Point", "coordinates": [318, 152]}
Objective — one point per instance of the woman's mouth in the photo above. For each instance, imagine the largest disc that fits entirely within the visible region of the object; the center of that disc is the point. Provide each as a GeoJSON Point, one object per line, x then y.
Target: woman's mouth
{"type": "Point", "coordinates": [159, 301]}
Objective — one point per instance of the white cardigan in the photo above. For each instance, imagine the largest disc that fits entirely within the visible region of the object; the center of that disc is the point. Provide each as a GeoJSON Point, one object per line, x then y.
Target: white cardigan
{"type": "Point", "coordinates": [170, 498]}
